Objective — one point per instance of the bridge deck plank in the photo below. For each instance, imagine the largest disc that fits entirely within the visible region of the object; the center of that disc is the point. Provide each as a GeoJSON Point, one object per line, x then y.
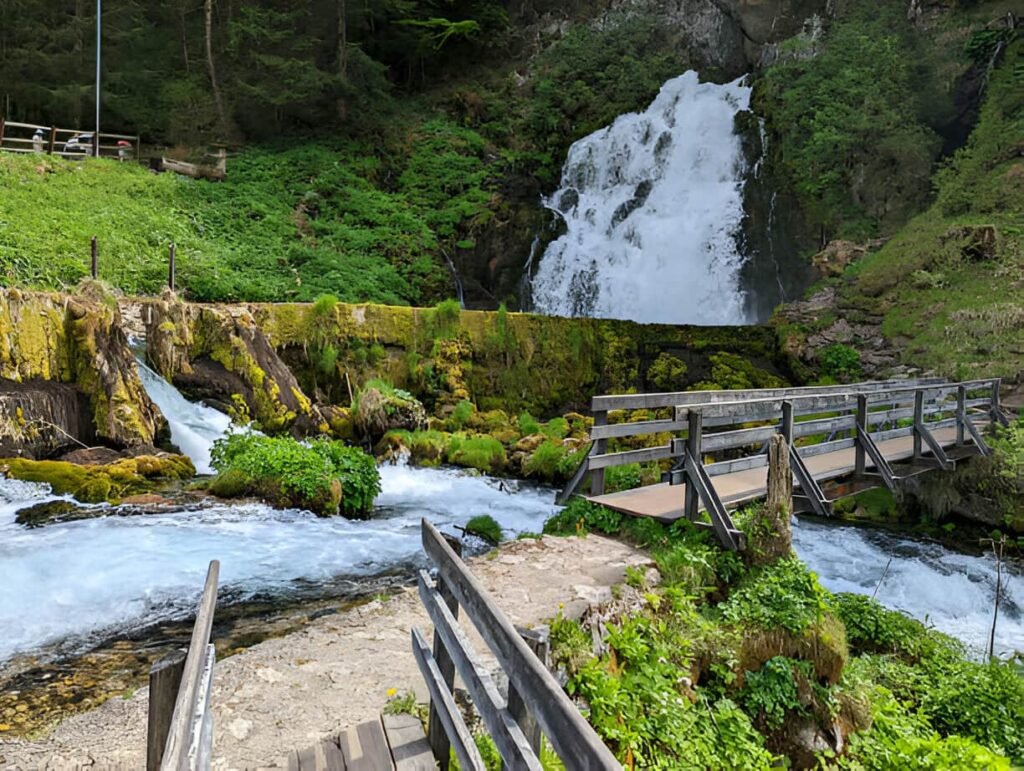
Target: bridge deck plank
{"type": "Point", "coordinates": [665, 502]}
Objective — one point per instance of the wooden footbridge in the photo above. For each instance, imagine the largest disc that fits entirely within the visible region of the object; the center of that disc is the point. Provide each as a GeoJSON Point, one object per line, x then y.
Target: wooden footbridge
{"type": "Point", "coordinates": [843, 440]}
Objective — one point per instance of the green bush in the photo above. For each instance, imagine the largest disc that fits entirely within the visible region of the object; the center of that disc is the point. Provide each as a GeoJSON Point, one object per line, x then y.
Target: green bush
{"type": "Point", "coordinates": [546, 461]}
{"type": "Point", "coordinates": [484, 453]}
{"type": "Point", "coordinates": [486, 527]}
{"type": "Point", "coordinates": [306, 474]}
{"type": "Point", "coordinates": [528, 425]}
{"type": "Point", "coordinates": [841, 362]}
{"type": "Point", "coordinates": [556, 428]}
{"type": "Point", "coordinates": [772, 691]}
{"type": "Point", "coordinates": [581, 516]}
{"type": "Point", "coordinates": [461, 415]}
{"type": "Point", "coordinates": [783, 595]}
{"type": "Point", "coordinates": [667, 373]}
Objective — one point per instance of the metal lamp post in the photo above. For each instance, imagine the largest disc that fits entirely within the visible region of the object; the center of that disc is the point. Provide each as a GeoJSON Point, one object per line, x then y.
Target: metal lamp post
{"type": "Point", "coordinates": [99, 27]}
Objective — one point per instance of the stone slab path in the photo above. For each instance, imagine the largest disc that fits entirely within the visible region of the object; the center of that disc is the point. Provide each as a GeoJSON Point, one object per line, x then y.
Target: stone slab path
{"type": "Point", "coordinates": [288, 692]}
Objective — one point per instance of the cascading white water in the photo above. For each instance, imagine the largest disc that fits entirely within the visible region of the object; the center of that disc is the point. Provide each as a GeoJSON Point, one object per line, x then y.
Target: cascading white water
{"type": "Point", "coordinates": [194, 427]}
{"type": "Point", "coordinates": [953, 592]}
{"type": "Point", "coordinates": [652, 206]}
{"type": "Point", "coordinates": [69, 581]}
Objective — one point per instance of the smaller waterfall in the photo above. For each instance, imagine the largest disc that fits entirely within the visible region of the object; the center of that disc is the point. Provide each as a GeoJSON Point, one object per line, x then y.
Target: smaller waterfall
{"type": "Point", "coordinates": [194, 427]}
{"type": "Point", "coordinates": [653, 206]}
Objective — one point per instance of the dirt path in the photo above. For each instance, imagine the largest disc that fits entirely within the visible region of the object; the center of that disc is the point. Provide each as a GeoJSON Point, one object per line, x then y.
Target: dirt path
{"type": "Point", "coordinates": [285, 693]}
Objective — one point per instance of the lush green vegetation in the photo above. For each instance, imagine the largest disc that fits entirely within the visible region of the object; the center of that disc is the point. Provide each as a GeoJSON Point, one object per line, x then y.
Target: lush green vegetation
{"type": "Point", "coordinates": [323, 476]}
{"type": "Point", "coordinates": [725, 663]}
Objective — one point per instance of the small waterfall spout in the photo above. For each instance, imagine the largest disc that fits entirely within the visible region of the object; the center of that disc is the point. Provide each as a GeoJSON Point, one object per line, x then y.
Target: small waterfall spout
{"type": "Point", "coordinates": [653, 206]}
{"type": "Point", "coordinates": [194, 427]}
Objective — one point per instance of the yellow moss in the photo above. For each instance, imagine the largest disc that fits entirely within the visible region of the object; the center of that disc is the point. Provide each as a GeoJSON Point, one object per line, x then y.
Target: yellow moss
{"type": "Point", "coordinates": [100, 483]}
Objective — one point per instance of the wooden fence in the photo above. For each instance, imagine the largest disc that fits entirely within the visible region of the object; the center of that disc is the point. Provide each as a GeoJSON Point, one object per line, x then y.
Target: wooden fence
{"type": "Point", "coordinates": [179, 735]}
{"type": "Point", "coordinates": [50, 140]}
{"type": "Point", "coordinates": [536, 705]}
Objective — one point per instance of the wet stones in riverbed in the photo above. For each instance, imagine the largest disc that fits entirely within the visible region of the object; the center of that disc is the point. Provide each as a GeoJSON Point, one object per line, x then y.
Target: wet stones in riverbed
{"type": "Point", "coordinates": [52, 512]}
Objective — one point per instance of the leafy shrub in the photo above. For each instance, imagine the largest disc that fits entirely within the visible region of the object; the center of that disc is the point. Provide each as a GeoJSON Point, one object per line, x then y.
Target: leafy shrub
{"type": "Point", "coordinates": [546, 461]}
{"type": "Point", "coordinates": [784, 594]}
{"type": "Point", "coordinates": [772, 690]}
{"type": "Point", "coordinates": [320, 476]}
{"type": "Point", "coordinates": [875, 629]}
{"type": "Point", "coordinates": [581, 516]}
{"type": "Point", "coordinates": [840, 361]}
{"type": "Point", "coordinates": [486, 527]}
{"type": "Point", "coordinates": [461, 414]}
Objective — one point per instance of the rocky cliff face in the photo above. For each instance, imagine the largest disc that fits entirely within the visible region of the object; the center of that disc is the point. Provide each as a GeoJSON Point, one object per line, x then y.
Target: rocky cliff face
{"type": "Point", "coordinates": [67, 376]}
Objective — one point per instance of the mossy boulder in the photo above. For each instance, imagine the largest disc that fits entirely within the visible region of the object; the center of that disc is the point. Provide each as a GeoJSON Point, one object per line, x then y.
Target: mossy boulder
{"type": "Point", "coordinates": [109, 482]}
{"type": "Point", "coordinates": [381, 408]}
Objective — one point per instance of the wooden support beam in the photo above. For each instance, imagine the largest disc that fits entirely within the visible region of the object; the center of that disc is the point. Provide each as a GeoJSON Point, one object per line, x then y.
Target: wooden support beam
{"type": "Point", "coordinates": [600, 448]}
{"type": "Point", "coordinates": [918, 423]}
{"type": "Point", "coordinates": [881, 464]}
{"type": "Point", "coordinates": [961, 410]}
{"type": "Point", "coordinates": [436, 735]}
{"type": "Point", "coordinates": [786, 428]}
{"type": "Point", "coordinates": [577, 478]}
{"type": "Point", "coordinates": [862, 427]}
{"type": "Point", "coordinates": [808, 485]}
{"type": "Point", "coordinates": [698, 480]}
{"type": "Point", "coordinates": [539, 642]}
{"type": "Point", "coordinates": [942, 461]}
{"type": "Point", "coordinates": [693, 450]}
{"type": "Point", "coordinates": [979, 441]}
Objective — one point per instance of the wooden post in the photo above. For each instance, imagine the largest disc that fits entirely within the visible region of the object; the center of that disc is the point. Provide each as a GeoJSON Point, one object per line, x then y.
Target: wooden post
{"type": "Point", "coordinates": [539, 641]}
{"type": "Point", "coordinates": [787, 423]}
{"type": "Point", "coordinates": [170, 266]}
{"type": "Point", "coordinates": [600, 447]}
{"type": "Point", "coordinates": [164, 681]}
{"type": "Point", "coordinates": [860, 464]}
{"type": "Point", "coordinates": [436, 737]}
{"type": "Point", "coordinates": [918, 422]}
{"type": "Point", "coordinates": [53, 139]}
{"type": "Point", "coordinates": [94, 265]}
{"type": "Point", "coordinates": [961, 413]}
{"type": "Point", "coordinates": [994, 415]}
{"type": "Point", "coordinates": [96, 145]}
{"type": "Point", "coordinates": [2, 122]}
{"type": "Point", "coordinates": [695, 425]}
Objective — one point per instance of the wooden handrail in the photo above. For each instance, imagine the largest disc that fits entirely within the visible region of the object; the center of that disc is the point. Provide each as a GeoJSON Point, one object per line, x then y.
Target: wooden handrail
{"type": "Point", "coordinates": [574, 740]}
{"type": "Point", "coordinates": [189, 729]}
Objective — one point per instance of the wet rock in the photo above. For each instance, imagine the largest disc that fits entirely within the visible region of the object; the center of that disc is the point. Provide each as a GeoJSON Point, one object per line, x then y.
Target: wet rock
{"type": "Point", "coordinates": [91, 456]}
{"type": "Point", "coordinates": [40, 417]}
{"type": "Point", "coordinates": [56, 511]}
{"type": "Point", "coordinates": [382, 410]}
{"type": "Point", "coordinates": [979, 243]}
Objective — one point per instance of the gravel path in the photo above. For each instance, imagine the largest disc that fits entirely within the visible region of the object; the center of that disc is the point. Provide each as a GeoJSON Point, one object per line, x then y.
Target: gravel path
{"type": "Point", "coordinates": [287, 692]}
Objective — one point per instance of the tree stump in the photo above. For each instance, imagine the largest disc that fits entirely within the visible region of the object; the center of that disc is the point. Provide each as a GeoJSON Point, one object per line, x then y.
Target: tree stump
{"type": "Point", "coordinates": [773, 536]}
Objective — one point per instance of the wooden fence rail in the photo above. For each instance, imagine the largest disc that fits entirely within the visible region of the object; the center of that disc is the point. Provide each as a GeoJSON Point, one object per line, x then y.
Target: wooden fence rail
{"type": "Point", "coordinates": [16, 137]}
{"type": "Point", "coordinates": [180, 726]}
{"type": "Point", "coordinates": [818, 420]}
{"type": "Point", "coordinates": [535, 704]}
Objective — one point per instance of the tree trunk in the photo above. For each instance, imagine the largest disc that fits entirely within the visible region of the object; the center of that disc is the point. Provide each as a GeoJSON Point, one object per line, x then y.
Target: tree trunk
{"type": "Point", "coordinates": [222, 124]}
{"type": "Point", "coordinates": [342, 54]}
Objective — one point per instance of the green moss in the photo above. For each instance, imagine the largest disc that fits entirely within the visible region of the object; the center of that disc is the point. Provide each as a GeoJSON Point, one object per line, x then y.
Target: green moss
{"type": "Point", "coordinates": [483, 453]}
{"type": "Point", "coordinates": [99, 484]}
{"type": "Point", "coordinates": [486, 527]}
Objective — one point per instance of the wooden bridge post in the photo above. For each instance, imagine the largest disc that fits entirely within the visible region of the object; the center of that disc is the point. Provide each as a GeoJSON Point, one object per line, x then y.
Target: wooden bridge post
{"type": "Point", "coordinates": [164, 682]}
{"type": "Point", "coordinates": [860, 463]}
{"type": "Point", "coordinates": [695, 426]}
{"type": "Point", "coordinates": [440, 745]}
{"type": "Point", "coordinates": [995, 416]}
{"type": "Point", "coordinates": [787, 423]}
{"type": "Point", "coordinates": [53, 140]}
{"type": "Point", "coordinates": [94, 262]}
{"type": "Point", "coordinates": [961, 413]}
{"type": "Point", "coordinates": [600, 447]}
{"type": "Point", "coordinates": [539, 642]}
{"type": "Point", "coordinates": [2, 121]}
{"type": "Point", "coordinates": [918, 422]}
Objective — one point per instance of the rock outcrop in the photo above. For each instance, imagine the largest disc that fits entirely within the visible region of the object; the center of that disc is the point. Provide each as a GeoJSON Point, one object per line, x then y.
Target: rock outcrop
{"type": "Point", "coordinates": [67, 375]}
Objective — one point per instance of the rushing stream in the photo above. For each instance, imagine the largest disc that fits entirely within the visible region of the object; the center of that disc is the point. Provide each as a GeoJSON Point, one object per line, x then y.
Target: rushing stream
{"type": "Point", "coordinates": [67, 586]}
{"type": "Point", "coordinates": [652, 206]}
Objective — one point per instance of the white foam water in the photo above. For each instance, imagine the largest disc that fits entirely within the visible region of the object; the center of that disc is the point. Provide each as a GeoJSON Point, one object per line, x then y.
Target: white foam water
{"type": "Point", "coordinates": [194, 426]}
{"type": "Point", "coordinates": [652, 206]}
{"type": "Point", "coordinates": [951, 591]}
{"type": "Point", "coordinates": [75, 579]}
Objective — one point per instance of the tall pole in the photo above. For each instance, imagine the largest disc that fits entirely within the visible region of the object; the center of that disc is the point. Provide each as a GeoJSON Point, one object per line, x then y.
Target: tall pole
{"type": "Point", "coordinates": [99, 27]}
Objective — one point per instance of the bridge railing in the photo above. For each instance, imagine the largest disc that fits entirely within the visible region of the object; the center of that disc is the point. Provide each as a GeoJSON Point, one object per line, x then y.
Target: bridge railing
{"type": "Point", "coordinates": [535, 704]}
{"type": "Point", "coordinates": [28, 138]}
{"type": "Point", "coordinates": [815, 421]}
{"type": "Point", "coordinates": [180, 722]}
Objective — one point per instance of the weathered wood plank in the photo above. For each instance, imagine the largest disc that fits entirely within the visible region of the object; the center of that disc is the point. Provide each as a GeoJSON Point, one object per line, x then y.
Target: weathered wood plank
{"type": "Point", "coordinates": [179, 738]}
{"type": "Point", "coordinates": [447, 710]}
{"type": "Point", "coordinates": [672, 399]}
{"type": "Point", "coordinates": [574, 740]}
{"type": "Point", "coordinates": [409, 748]}
{"type": "Point", "coordinates": [508, 737]}
{"type": "Point", "coordinates": [365, 748]}
{"type": "Point", "coordinates": [630, 456]}
{"type": "Point", "coordinates": [164, 683]}
{"type": "Point", "coordinates": [639, 428]}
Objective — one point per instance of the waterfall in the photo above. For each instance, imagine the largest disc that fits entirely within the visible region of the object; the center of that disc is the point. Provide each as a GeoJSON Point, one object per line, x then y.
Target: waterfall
{"type": "Point", "coordinates": [652, 206]}
{"type": "Point", "coordinates": [194, 427]}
